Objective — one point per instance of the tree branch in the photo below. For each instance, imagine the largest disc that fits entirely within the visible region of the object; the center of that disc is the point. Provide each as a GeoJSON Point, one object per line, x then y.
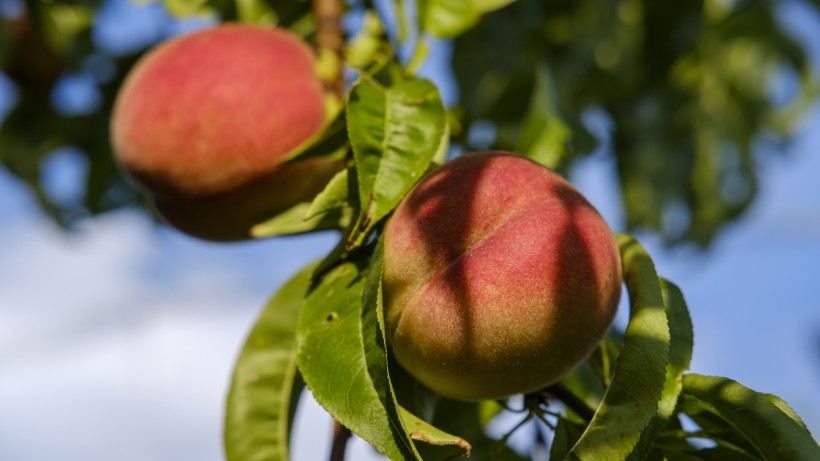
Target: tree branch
{"type": "Point", "coordinates": [341, 435]}
{"type": "Point", "coordinates": [330, 42]}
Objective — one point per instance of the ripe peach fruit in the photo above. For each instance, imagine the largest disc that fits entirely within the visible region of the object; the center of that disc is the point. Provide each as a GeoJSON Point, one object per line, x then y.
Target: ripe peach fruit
{"type": "Point", "coordinates": [499, 277]}
{"type": "Point", "coordinates": [205, 121]}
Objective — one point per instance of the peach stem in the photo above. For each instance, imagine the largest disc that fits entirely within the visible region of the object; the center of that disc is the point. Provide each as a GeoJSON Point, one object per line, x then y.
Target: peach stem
{"type": "Point", "coordinates": [327, 14]}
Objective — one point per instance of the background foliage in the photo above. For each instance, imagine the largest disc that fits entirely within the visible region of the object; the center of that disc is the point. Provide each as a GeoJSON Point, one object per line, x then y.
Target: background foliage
{"type": "Point", "coordinates": [685, 90]}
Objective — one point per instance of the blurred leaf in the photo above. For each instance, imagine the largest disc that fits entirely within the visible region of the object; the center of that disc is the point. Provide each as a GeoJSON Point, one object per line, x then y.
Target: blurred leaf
{"type": "Point", "coordinates": [631, 401]}
{"type": "Point", "coordinates": [448, 18]}
{"type": "Point", "coordinates": [265, 386]}
{"type": "Point", "coordinates": [294, 220]}
{"type": "Point", "coordinates": [331, 141]}
{"type": "Point", "coordinates": [395, 130]}
{"type": "Point", "coordinates": [342, 359]}
{"type": "Point", "coordinates": [680, 95]}
{"type": "Point", "coordinates": [184, 8]}
{"type": "Point", "coordinates": [487, 411]}
{"type": "Point", "coordinates": [370, 43]}
{"type": "Point", "coordinates": [773, 433]}
{"type": "Point", "coordinates": [255, 12]}
{"type": "Point", "coordinates": [64, 22]}
{"type": "Point", "coordinates": [335, 195]}
{"type": "Point", "coordinates": [567, 433]}
{"type": "Point", "coordinates": [544, 136]}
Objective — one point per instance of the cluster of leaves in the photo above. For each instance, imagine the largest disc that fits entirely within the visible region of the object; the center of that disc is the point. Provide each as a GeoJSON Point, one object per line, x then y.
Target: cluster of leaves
{"type": "Point", "coordinates": [649, 67]}
{"type": "Point", "coordinates": [324, 330]}
{"type": "Point", "coordinates": [684, 88]}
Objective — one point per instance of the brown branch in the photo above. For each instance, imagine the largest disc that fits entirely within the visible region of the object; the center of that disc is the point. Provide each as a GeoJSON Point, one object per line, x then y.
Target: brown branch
{"type": "Point", "coordinates": [341, 435]}
{"type": "Point", "coordinates": [330, 42]}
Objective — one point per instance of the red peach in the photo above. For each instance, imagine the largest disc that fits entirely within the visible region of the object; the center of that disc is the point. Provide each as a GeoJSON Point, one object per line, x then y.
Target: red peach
{"type": "Point", "coordinates": [205, 118]}
{"type": "Point", "coordinates": [499, 277]}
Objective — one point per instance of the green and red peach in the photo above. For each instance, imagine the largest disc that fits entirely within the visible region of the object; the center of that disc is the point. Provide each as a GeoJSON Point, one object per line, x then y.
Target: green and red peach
{"type": "Point", "coordinates": [205, 122]}
{"type": "Point", "coordinates": [499, 278]}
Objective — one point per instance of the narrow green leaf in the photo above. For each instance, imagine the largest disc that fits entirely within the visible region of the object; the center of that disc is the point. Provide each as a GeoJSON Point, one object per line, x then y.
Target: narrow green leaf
{"type": "Point", "coordinates": [544, 136]}
{"type": "Point", "coordinates": [334, 196]}
{"type": "Point", "coordinates": [422, 431]}
{"type": "Point", "coordinates": [773, 432]}
{"type": "Point", "coordinates": [292, 221]}
{"type": "Point", "coordinates": [338, 349]}
{"type": "Point", "coordinates": [462, 419]}
{"type": "Point", "coordinates": [631, 400]}
{"type": "Point", "coordinates": [395, 132]}
{"type": "Point", "coordinates": [680, 355]}
{"type": "Point", "coordinates": [713, 427]}
{"type": "Point", "coordinates": [786, 408]}
{"type": "Point", "coordinates": [375, 347]}
{"type": "Point", "coordinates": [265, 386]}
{"type": "Point", "coordinates": [331, 141]}
{"type": "Point", "coordinates": [488, 410]}
{"type": "Point", "coordinates": [449, 18]}
{"type": "Point", "coordinates": [255, 12]}
{"type": "Point", "coordinates": [369, 45]}
{"type": "Point", "coordinates": [567, 433]}
{"type": "Point", "coordinates": [188, 8]}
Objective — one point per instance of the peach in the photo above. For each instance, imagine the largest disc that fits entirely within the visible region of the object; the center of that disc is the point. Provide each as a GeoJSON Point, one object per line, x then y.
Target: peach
{"type": "Point", "coordinates": [204, 123]}
{"type": "Point", "coordinates": [499, 277]}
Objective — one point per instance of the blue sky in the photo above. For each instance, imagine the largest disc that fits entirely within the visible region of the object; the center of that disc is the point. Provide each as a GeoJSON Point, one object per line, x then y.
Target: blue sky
{"type": "Point", "coordinates": [117, 340]}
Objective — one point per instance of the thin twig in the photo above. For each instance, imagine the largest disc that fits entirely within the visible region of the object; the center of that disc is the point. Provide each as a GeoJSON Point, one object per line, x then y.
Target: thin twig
{"type": "Point", "coordinates": [341, 435]}
{"type": "Point", "coordinates": [330, 41]}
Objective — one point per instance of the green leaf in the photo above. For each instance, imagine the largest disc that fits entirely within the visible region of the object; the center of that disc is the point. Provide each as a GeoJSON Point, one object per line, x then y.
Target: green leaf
{"type": "Point", "coordinates": [720, 454]}
{"type": "Point", "coordinates": [464, 419]}
{"type": "Point", "coordinates": [422, 431]}
{"type": "Point", "coordinates": [395, 131]}
{"type": "Point", "coordinates": [488, 410]}
{"type": "Point", "coordinates": [680, 355]}
{"type": "Point", "coordinates": [187, 8]}
{"type": "Point", "coordinates": [567, 433]}
{"type": "Point", "coordinates": [334, 196]}
{"type": "Point", "coordinates": [449, 18]}
{"type": "Point", "coordinates": [631, 401]}
{"type": "Point", "coordinates": [773, 432]}
{"type": "Point", "coordinates": [255, 12]}
{"type": "Point", "coordinates": [713, 427]}
{"type": "Point", "coordinates": [370, 43]}
{"type": "Point", "coordinates": [293, 221]}
{"type": "Point", "coordinates": [342, 357]}
{"type": "Point", "coordinates": [544, 136]}
{"type": "Point", "coordinates": [331, 141]}
{"type": "Point", "coordinates": [786, 408]}
{"type": "Point", "coordinates": [265, 386]}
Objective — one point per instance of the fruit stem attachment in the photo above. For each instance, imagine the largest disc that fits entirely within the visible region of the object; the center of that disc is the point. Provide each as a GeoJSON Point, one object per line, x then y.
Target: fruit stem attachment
{"type": "Point", "coordinates": [570, 400]}
{"type": "Point", "coordinates": [341, 435]}
{"type": "Point", "coordinates": [329, 44]}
